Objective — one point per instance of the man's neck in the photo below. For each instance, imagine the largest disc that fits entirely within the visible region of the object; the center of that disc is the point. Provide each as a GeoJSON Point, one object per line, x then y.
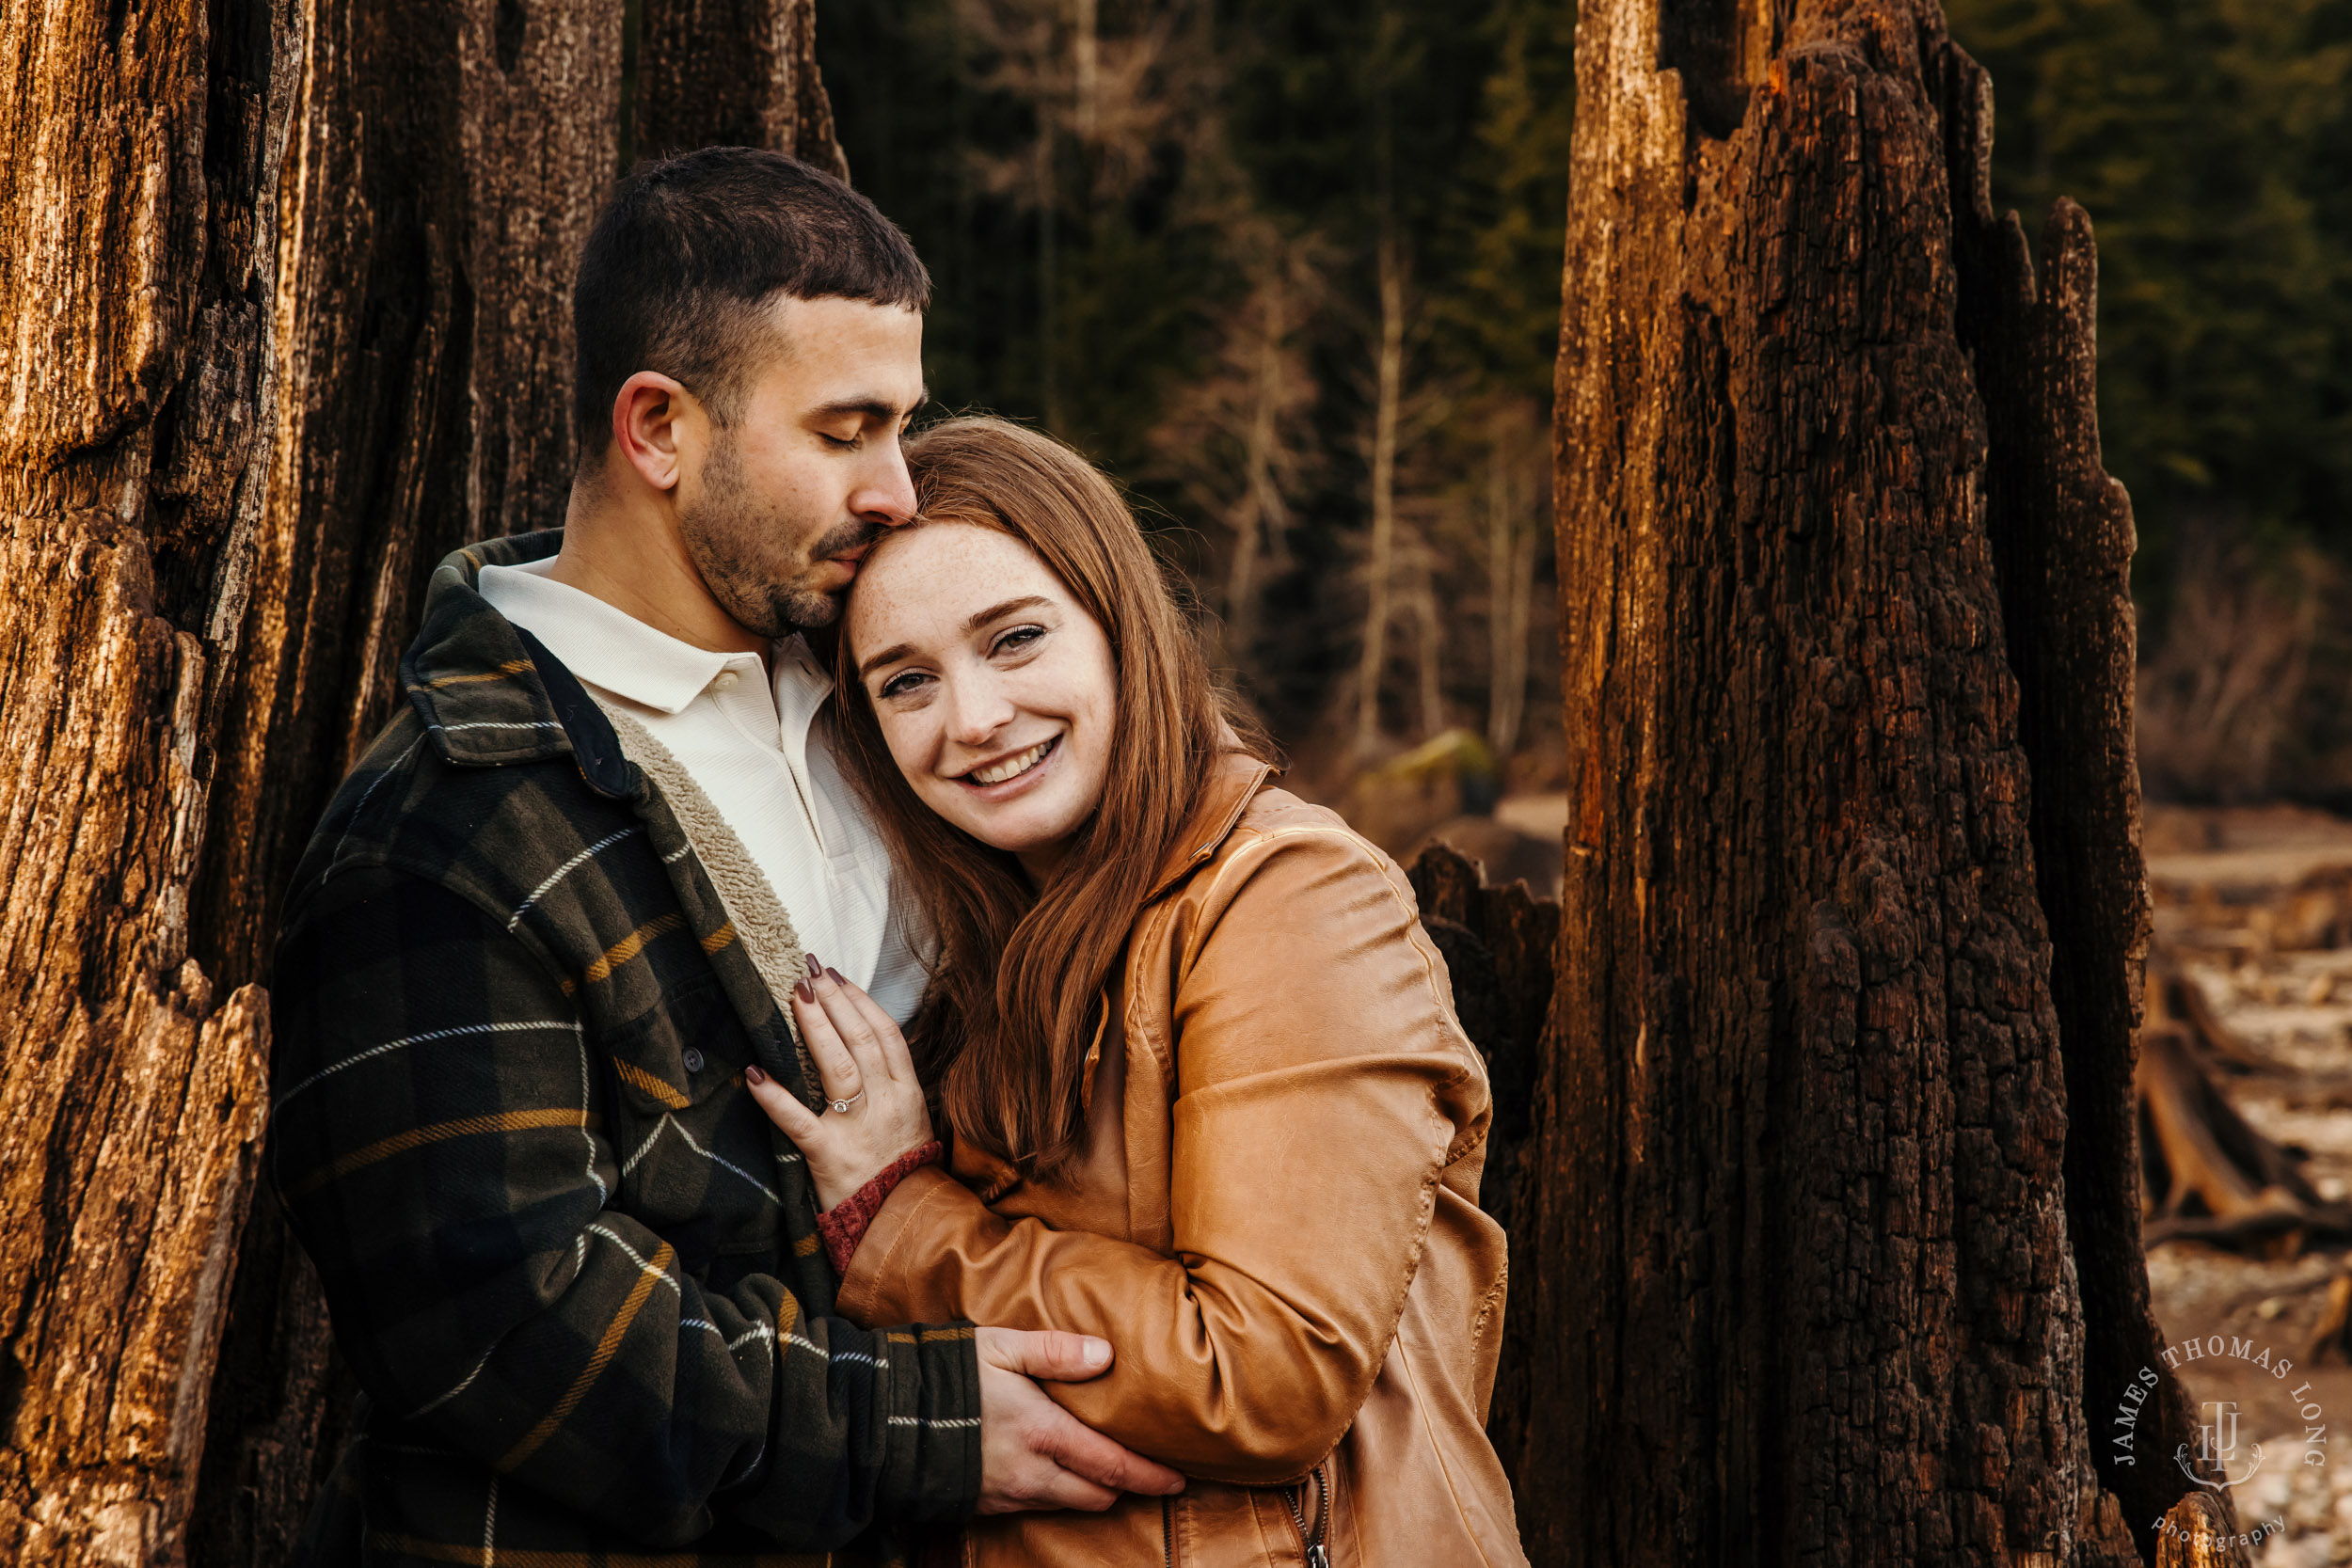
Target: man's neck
{"type": "Point", "coordinates": [628, 554]}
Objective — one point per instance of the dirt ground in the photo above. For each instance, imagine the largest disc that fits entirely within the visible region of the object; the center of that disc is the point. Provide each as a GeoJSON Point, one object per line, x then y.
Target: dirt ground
{"type": "Point", "coordinates": [2235, 906]}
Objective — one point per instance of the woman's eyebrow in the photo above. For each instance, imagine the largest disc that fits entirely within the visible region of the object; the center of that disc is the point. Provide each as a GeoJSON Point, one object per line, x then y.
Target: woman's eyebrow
{"type": "Point", "coordinates": [888, 656]}
{"type": "Point", "coordinates": [981, 618]}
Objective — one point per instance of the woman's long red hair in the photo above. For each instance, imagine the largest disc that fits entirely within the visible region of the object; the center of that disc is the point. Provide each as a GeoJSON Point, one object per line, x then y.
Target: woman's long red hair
{"type": "Point", "coordinates": [1004, 1029]}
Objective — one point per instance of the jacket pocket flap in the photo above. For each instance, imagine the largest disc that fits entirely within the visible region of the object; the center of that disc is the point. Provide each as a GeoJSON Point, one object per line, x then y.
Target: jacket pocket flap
{"type": "Point", "coordinates": [680, 1054]}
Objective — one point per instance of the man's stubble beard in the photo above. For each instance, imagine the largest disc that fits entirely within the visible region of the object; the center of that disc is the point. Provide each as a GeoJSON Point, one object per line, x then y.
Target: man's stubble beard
{"type": "Point", "coordinates": [732, 538]}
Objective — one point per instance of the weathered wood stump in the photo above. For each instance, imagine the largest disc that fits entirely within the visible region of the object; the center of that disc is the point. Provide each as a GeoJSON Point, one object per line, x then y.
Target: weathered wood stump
{"type": "Point", "coordinates": [2199, 1532]}
{"type": "Point", "coordinates": [1499, 945]}
{"type": "Point", "coordinates": [1833, 1246]}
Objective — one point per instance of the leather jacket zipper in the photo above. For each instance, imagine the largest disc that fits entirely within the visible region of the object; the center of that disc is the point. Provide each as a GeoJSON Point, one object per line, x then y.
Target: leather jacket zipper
{"type": "Point", "coordinates": [1311, 1540]}
{"type": "Point", "coordinates": [1167, 1531]}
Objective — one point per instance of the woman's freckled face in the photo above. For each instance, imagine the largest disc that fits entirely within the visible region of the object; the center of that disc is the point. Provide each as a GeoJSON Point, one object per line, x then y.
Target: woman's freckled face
{"type": "Point", "coordinates": [993, 686]}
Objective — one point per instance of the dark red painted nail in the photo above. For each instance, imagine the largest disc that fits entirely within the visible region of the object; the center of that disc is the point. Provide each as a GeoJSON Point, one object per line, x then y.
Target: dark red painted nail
{"type": "Point", "coordinates": [753, 1075]}
{"type": "Point", "coordinates": [805, 992]}
{"type": "Point", "coordinates": [815, 969]}
{"type": "Point", "coordinates": [836, 978]}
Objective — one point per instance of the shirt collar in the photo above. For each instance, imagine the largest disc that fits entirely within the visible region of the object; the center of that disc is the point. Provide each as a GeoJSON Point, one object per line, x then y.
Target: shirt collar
{"type": "Point", "coordinates": [801, 687]}
{"type": "Point", "coordinates": [613, 650]}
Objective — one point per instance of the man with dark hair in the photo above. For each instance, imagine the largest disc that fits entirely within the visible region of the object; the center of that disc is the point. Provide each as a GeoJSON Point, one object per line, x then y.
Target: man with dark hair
{"type": "Point", "coordinates": [550, 920]}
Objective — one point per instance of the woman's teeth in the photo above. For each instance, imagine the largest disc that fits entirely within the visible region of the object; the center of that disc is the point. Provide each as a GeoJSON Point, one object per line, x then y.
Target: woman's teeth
{"type": "Point", "coordinates": [1012, 767]}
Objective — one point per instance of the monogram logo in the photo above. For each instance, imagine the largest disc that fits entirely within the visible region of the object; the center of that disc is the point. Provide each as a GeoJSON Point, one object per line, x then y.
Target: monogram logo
{"type": "Point", "coordinates": [2216, 1445]}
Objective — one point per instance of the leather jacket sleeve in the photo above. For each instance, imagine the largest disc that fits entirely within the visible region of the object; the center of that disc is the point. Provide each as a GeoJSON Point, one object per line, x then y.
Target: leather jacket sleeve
{"type": "Point", "coordinates": [1324, 1102]}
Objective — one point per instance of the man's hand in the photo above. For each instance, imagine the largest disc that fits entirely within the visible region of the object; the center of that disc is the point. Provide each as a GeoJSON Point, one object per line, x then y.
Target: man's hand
{"type": "Point", "coordinates": [1034, 1454]}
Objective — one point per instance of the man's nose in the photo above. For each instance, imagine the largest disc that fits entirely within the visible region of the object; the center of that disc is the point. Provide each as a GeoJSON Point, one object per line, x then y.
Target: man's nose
{"type": "Point", "coordinates": [886, 493]}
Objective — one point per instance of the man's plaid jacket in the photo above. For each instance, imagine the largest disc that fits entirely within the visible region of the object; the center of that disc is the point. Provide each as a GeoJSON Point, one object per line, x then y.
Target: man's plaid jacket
{"type": "Point", "coordinates": [575, 1268]}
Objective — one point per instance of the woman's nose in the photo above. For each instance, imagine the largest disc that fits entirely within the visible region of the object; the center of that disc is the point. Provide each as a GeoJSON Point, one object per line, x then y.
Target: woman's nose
{"type": "Point", "coordinates": [976, 710]}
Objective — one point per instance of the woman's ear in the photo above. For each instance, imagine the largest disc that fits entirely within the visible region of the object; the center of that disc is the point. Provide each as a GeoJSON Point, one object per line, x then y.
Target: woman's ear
{"type": "Point", "coordinates": [647, 417]}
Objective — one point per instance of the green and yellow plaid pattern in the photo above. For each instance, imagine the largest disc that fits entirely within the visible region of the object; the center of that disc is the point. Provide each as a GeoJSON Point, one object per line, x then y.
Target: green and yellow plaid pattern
{"type": "Point", "coordinates": [575, 1268]}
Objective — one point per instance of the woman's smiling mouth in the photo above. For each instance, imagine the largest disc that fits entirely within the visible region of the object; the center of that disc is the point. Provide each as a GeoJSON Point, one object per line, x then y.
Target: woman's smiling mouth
{"type": "Point", "coordinates": [1012, 767]}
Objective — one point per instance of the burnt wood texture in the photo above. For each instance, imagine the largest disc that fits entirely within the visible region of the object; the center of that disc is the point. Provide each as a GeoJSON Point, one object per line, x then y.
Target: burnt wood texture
{"type": "Point", "coordinates": [1501, 946]}
{"type": "Point", "coordinates": [1815, 1267]}
{"type": "Point", "coordinates": [136, 282]}
{"type": "Point", "coordinates": [733, 73]}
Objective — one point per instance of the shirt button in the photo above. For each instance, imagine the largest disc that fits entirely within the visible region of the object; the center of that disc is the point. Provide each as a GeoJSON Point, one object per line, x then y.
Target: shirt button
{"type": "Point", "coordinates": [693, 1060]}
{"type": "Point", "coordinates": [725, 681]}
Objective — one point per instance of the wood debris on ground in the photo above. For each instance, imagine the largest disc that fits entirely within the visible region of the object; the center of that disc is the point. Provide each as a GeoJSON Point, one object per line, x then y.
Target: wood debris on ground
{"type": "Point", "coordinates": [2246, 1135]}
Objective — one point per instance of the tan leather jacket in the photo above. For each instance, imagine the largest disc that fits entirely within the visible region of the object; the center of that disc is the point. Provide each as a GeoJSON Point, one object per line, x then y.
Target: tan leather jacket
{"type": "Point", "coordinates": [1275, 1223]}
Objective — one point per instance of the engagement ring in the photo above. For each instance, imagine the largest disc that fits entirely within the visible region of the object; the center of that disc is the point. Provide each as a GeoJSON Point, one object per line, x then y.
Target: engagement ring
{"type": "Point", "coordinates": [845, 1104]}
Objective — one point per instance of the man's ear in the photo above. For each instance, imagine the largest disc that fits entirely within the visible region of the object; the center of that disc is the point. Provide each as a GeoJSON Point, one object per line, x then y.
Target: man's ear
{"type": "Point", "coordinates": [647, 414]}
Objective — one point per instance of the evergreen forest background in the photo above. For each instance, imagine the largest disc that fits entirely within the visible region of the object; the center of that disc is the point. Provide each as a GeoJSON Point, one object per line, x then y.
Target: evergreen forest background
{"type": "Point", "coordinates": [1292, 272]}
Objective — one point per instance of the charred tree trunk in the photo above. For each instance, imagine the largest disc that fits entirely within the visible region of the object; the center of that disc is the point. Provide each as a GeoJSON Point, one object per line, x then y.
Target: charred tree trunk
{"type": "Point", "coordinates": [1807, 1293]}
{"type": "Point", "coordinates": [288, 291]}
{"type": "Point", "coordinates": [2062, 541]}
{"type": "Point", "coordinates": [442, 174]}
{"type": "Point", "coordinates": [733, 73]}
{"type": "Point", "coordinates": [136, 281]}
{"type": "Point", "coordinates": [2201, 1533]}
{"type": "Point", "coordinates": [1499, 945]}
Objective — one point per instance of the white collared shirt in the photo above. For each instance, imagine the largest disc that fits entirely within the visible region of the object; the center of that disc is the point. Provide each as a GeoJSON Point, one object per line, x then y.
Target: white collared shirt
{"type": "Point", "coordinates": [753, 743]}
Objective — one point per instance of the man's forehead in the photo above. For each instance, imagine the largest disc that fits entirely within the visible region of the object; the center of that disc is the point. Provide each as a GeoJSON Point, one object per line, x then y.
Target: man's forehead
{"type": "Point", "coordinates": [814, 323]}
{"type": "Point", "coordinates": [839, 355]}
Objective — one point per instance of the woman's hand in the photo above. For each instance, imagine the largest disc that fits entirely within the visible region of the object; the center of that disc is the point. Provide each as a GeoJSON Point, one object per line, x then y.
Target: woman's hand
{"type": "Point", "coordinates": [874, 1111]}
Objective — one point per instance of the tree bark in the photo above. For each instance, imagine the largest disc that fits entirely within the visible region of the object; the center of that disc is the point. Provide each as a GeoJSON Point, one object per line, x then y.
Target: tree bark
{"type": "Point", "coordinates": [136, 278]}
{"type": "Point", "coordinates": [733, 73]}
{"type": "Point", "coordinates": [2062, 540]}
{"type": "Point", "coordinates": [1499, 945]}
{"type": "Point", "coordinates": [287, 289]}
{"type": "Point", "coordinates": [1806, 1292]}
{"type": "Point", "coordinates": [443, 174]}
{"type": "Point", "coordinates": [2199, 1532]}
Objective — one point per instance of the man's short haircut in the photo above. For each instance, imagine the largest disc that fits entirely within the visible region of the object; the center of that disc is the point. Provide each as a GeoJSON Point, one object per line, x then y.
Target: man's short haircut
{"type": "Point", "coordinates": [685, 254]}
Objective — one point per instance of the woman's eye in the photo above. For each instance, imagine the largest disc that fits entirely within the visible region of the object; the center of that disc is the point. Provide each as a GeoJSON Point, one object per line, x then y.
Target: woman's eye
{"type": "Point", "coordinates": [845, 443]}
{"type": "Point", "coordinates": [901, 684]}
{"type": "Point", "coordinates": [1017, 639]}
